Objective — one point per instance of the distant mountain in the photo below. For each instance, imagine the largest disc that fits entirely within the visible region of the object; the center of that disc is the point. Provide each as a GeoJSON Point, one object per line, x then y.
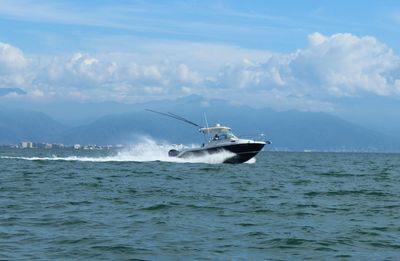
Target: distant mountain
{"type": "Point", "coordinates": [19, 125]}
{"type": "Point", "coordinates": [288, 130]}
{"type": "Point", "coordinates": [6, 91]}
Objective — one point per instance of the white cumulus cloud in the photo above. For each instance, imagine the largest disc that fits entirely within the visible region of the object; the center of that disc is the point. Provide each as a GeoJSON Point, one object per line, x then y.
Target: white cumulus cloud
{"type": "Point", "coordinates": [344, 64]}
{"type": "Point", "coordinates": [12, 65]}
{"type": "Point", "coordinates": [11, 58]}
{"type": "Point", "coordinates": [330, 67]}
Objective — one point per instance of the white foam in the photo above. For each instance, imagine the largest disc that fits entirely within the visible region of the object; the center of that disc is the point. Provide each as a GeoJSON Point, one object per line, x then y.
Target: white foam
{"type": "Point", "coordinates": [145, 150]}
{"type": "Point", "coordinates": [251, 161]}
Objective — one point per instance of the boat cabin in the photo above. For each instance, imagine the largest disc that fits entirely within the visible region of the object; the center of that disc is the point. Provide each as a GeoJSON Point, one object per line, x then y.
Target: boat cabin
{"type": "Point", "coordinates": [219, 133]}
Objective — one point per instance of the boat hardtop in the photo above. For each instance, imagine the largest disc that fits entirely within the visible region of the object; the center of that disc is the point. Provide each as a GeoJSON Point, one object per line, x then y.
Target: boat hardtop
{"type": "Point", "coordinates": [216, 129]}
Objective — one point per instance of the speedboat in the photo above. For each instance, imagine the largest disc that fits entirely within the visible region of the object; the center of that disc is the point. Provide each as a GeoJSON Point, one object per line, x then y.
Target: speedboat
{"type": "Point", "coordinates": [220, 139]}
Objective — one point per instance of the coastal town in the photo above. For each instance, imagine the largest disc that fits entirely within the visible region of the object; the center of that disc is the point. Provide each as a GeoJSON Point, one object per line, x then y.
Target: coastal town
{"type": "Point", "coordinates": [45, 145]}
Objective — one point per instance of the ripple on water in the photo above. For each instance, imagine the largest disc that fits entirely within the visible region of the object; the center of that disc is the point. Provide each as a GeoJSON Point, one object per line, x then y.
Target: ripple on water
{"type": "Point", "coordinates": [286, 206]}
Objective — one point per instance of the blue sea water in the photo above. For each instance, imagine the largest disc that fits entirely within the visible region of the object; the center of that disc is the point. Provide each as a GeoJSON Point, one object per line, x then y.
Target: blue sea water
{"type": "Point", "coordinates": [104, 205]}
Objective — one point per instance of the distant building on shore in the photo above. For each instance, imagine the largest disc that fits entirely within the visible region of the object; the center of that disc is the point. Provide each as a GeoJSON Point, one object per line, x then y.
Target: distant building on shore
{"type": "Point", "coordinates": [58, 146]}
{"type": "Point", "coordinates": [26, 145]}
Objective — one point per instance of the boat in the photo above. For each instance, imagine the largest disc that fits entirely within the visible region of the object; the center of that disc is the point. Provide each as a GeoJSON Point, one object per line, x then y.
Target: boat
{"type": "Point", "coordinates": [220, 139]}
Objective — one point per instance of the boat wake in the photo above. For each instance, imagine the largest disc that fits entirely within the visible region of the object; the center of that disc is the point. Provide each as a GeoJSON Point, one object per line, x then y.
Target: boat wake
{"type": "Point", "coordinates": [145, 151]}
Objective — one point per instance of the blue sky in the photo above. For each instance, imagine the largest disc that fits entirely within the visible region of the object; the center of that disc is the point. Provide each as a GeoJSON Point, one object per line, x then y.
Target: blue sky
{"type": "Point", "coordinates": [42, 26]}
{"type": "Point", "coordinates": [306, 55]}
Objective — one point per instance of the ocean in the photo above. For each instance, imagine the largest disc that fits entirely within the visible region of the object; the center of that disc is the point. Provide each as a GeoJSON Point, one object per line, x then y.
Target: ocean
{"type": "Point", "coordinates": [136, 205]}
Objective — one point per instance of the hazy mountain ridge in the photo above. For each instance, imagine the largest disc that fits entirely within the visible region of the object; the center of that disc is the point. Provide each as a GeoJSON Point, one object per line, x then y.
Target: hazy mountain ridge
{"type": "Point", "coordinates": [19, 125]}
{"type": "Point", "coordinates": [291, 130]}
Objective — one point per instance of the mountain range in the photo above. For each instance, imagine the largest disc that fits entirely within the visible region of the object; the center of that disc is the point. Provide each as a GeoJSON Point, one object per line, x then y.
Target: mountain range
{"type": "Point", "coordinates": [288, 130]}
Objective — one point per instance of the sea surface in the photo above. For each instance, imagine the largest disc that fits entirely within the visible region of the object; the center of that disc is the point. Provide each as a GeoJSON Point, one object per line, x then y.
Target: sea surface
{"type": "Point", "coordinates": [135, 205]}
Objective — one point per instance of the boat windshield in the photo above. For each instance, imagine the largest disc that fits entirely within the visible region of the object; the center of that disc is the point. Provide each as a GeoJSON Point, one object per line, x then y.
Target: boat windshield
{"type": "Point", "coordinates": [224, 136]}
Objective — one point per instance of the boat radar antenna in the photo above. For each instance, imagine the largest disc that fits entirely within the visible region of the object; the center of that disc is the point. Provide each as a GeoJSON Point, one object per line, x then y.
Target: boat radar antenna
{"type": "Point", "coordinates": [176, 117]}
{"type": "Point", "coordinates": [205, 119]}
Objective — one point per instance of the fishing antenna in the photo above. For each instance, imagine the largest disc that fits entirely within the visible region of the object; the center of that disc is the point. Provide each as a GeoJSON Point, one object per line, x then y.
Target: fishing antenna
{"type": "Point", "coordinates": [183, 119]}
{"type": "Point", "coordinates": [176, 117]}
{"type": "Point", "coordinates": [205, 119]}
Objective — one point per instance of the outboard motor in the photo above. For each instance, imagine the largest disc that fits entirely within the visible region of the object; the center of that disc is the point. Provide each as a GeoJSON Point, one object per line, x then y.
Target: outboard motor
{"type": "Point", "coordinates": [173, 153]}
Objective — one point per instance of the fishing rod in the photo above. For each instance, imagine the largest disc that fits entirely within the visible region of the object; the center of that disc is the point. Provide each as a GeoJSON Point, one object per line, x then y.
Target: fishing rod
{"type": "Point", "coordinates": [176, 117]}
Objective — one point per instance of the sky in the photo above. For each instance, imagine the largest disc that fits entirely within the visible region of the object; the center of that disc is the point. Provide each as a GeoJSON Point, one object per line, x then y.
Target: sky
{"type": "Point", "coordinates": [340, 57]}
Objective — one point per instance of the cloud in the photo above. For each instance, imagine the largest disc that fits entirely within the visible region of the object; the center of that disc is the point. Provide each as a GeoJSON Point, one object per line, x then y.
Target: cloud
{"type": "Point", "coordinates": [105, 77]}
{"type": "Point", "coordinates": [11, 58]}
{"type": "Point", "coordinates": [149, 18]}
{"type": "Point", "coordinates": [330, 67]}
{"type": "Point", "coordinates": [12, 66]}
{"type": "Point", "coordinates": [346, 65]}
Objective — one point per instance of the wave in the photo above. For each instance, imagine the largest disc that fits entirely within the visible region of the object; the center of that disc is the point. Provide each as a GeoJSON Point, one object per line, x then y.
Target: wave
{"type": "Point", "coordinates": [146, 150]}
